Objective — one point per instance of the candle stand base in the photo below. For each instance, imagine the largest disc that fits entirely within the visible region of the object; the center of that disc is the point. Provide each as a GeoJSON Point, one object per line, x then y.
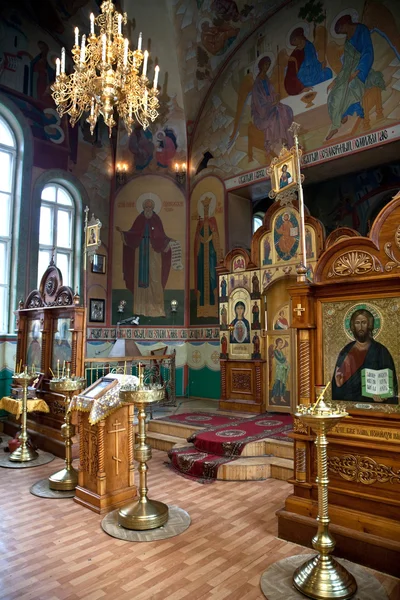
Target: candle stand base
{"type": "Point", "coordinates": [23, 454]}
{"type": "Point", "coordinates": [323, 578]}
{"type": "Point", "coordinates": [65, 480]}
{"type": "Point", "coordinates": [143, 515]}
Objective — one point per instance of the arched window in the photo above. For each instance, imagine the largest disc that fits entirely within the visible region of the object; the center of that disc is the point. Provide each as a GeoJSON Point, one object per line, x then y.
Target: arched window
{"type": "Point", "coordinates": [57, 231]}
{"type": "Point", "coordinates": [257, 221]}
{"type": "Point", "coordinates": [8, 153]}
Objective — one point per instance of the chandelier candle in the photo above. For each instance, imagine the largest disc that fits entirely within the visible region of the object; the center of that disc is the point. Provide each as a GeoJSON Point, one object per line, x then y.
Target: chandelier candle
{"type": "Point", "coordinates": [105, 79]}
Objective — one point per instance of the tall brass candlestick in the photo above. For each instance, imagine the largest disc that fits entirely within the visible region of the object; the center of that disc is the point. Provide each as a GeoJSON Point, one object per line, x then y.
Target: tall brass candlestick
{"type": "Point", "coordinates": [24, 453]}
{"type": "Point", "coordinates": [67, 478]}
{"type": "Point", "coordinates": [322, 577]}
{"type": "Point", "coordinates": [143, 513]}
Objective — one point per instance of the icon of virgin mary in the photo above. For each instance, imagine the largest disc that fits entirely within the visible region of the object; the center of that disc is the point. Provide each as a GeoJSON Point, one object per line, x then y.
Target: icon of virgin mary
{"type": "Point", "coordinates": [240, 327]}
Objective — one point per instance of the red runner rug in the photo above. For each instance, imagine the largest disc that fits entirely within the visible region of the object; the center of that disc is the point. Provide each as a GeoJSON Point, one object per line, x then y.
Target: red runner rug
{"type": "Point", "coordinates": [229, 440]}
{"type": "Point", "coordinates": [201, 419]}
{"type": "Point", "coordinates": [224, 443]}
{"type": "Point", "coordinates": [198, 466]}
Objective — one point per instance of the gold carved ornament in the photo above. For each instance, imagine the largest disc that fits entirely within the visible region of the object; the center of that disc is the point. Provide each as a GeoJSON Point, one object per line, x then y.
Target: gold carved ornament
{"type": "Point", "coordinates": [393, 262]}
{"type": "Point", "coordinates": [362, 469]}
{"type": "Point", "coordinates": [241, 381]}
{"type": "Point", "coordinates": [299, 426]}
{"type": "Point", "coordinates": [354, 263]}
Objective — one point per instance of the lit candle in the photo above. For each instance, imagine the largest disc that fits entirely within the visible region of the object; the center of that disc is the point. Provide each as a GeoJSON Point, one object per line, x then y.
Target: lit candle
{"type": "Point", "coordinates": [63, 369]}
{"type": "Point", "coordinates": [76, 36]}
{"type": "Point", "coordinates": [139, 46]}
{"type": "Point", "coordinates": [146, 58]}
{"type": "Point", "coordinates": [83, 48]}
{"type": "Point", "coordinates": [156, 72]}
{"type": "Point", "coordinates": [184, 167]}
{"type": "Point", "coordinates": [62, 60]}
{"type": "Point", "coordinates": [58, 369]}
{"type": "Point", "coordinates": [103, 47]}
{"type": "Point", "coordinates": [119, 24]}
{"type": "Point", "coordinates": [58, 66]}
{"type": "Point", "coordinates": [146, 94]}
{"type": "Point", "coordinates": [92, 108]}
{"type": "Point", "coordinates": [33, 368]}
{"type": "Point", "coordinates": [176, 167]}
{"type": "Point", "coordinates": [126, 44]}
{"type": "Point", "coordinates": [91, 24]}
{"type": "Point", "coordinates": [130, 110]}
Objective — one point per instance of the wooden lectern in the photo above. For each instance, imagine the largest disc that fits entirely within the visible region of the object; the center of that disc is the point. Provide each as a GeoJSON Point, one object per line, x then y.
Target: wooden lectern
{"type": "Point", "coordinates": [106, 467]}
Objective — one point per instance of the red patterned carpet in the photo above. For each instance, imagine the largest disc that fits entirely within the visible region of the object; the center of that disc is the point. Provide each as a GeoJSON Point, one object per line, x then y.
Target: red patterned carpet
{"type": "Point", "coordinates": [201, 419]}
{"type": "Point", "coordinates": [223, 442]}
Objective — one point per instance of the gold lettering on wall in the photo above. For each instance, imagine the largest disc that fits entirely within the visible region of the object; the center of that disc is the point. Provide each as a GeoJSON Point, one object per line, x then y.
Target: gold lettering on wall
{"type": "Point", "coordinates": [379, 434]}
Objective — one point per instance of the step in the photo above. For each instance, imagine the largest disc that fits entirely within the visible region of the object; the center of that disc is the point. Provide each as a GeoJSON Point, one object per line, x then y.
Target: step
{"type": "Point", "coordinates": [279, 448]}
{"type": "Point", "coordinates": [245, 469]}
{"type": "Point", "coordinates": [268, 446]}
{"type": "Point", "coordinates": [180, 433]}
{"type": "Point", "coordinates": [282, 468]}
{"type": "Point", "coordinates": [176, 429]}
{"type": "Point", "coordinates": [254, 468]}
{"type": "Point", "coordinates": [163, 441]}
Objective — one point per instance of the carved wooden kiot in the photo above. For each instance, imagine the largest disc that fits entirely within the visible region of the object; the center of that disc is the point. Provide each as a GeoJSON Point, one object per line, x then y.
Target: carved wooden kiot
{"type": "Point", "coordinates": [49, 304]}
{"type": "Point", "coordinates": [364, 450]}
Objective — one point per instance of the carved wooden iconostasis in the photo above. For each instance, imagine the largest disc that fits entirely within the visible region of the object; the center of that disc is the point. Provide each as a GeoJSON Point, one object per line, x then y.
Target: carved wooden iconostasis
{"type": "Point", "coordinates": [50, 332]}
{"type": "Point", "coordinates": [353, 302]}
{"type": "Point", "coordinates": [258, 346]}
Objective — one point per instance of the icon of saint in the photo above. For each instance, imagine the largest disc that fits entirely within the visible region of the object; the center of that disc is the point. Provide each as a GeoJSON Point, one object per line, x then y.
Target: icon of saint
{"type": "Point", "coordinates": [361, 355]}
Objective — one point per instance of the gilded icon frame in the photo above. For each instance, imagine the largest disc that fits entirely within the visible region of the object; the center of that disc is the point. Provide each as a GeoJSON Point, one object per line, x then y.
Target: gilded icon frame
{"type": "Point", "coordinates": [334, 334]}
{"type": "Point", "coordinates": [288, 336]}
{"type": "Point", "coordinates": [277, 170]}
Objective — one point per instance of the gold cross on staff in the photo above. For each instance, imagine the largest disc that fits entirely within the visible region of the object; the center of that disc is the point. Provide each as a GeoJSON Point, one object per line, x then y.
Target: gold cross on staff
{"type": "Point", "coordinates": [116, 431]}
{"type": "Point", "coordinates": [299, 309]}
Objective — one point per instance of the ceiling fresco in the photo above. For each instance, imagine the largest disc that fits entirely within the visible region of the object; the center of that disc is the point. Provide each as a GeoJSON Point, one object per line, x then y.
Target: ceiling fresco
{"type": "Point", "coordinates": [196, 37]}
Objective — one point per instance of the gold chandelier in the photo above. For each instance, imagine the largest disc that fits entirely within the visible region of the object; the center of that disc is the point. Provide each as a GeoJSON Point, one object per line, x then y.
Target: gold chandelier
{"type": "Point", "coordinates": [106, 76]}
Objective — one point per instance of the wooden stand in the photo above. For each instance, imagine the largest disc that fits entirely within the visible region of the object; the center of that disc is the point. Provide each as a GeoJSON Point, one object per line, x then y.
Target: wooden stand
{"type": "Point", "coordinates": [364, 450]}
{"type": "Point", "coordinates": [106, 469]}
{"type": "Point", "coordinates": [242, 384]}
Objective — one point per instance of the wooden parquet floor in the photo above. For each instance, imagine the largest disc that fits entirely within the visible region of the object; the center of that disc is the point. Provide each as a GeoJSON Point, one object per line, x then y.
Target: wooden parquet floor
{"type": "Point", "coordinates": [56, 549]}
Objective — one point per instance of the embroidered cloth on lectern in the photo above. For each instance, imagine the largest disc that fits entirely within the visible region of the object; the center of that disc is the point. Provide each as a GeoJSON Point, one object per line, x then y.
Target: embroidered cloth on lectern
{"type": "Point", "coordinates": [14, 406]}
{"type": "Point", "coordinates": [104, 406]}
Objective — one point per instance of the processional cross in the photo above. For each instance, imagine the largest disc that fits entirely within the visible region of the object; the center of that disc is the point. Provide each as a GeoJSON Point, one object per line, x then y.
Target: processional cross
{"type": "Point", "coordinates": [116, 431]}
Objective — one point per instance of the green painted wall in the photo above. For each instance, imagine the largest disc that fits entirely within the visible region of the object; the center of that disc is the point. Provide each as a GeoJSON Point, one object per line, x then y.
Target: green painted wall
{"type": "Point", "coordinates": [204, 383]}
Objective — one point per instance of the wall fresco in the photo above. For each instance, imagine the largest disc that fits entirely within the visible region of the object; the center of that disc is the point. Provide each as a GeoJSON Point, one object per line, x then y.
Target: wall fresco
{"type": "Point", "coordinates": [333, 69]}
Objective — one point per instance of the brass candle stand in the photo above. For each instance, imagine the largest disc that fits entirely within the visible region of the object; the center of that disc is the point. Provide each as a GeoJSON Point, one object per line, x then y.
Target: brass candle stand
{"type": "Point", "coordinates": [24, 453]}
{"type": "Point", "coordinates": [67, 478]}
{"type": "Point", "coordinates": [143, 513]}
{"type": "Point", "coordinates": [322, 577]}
